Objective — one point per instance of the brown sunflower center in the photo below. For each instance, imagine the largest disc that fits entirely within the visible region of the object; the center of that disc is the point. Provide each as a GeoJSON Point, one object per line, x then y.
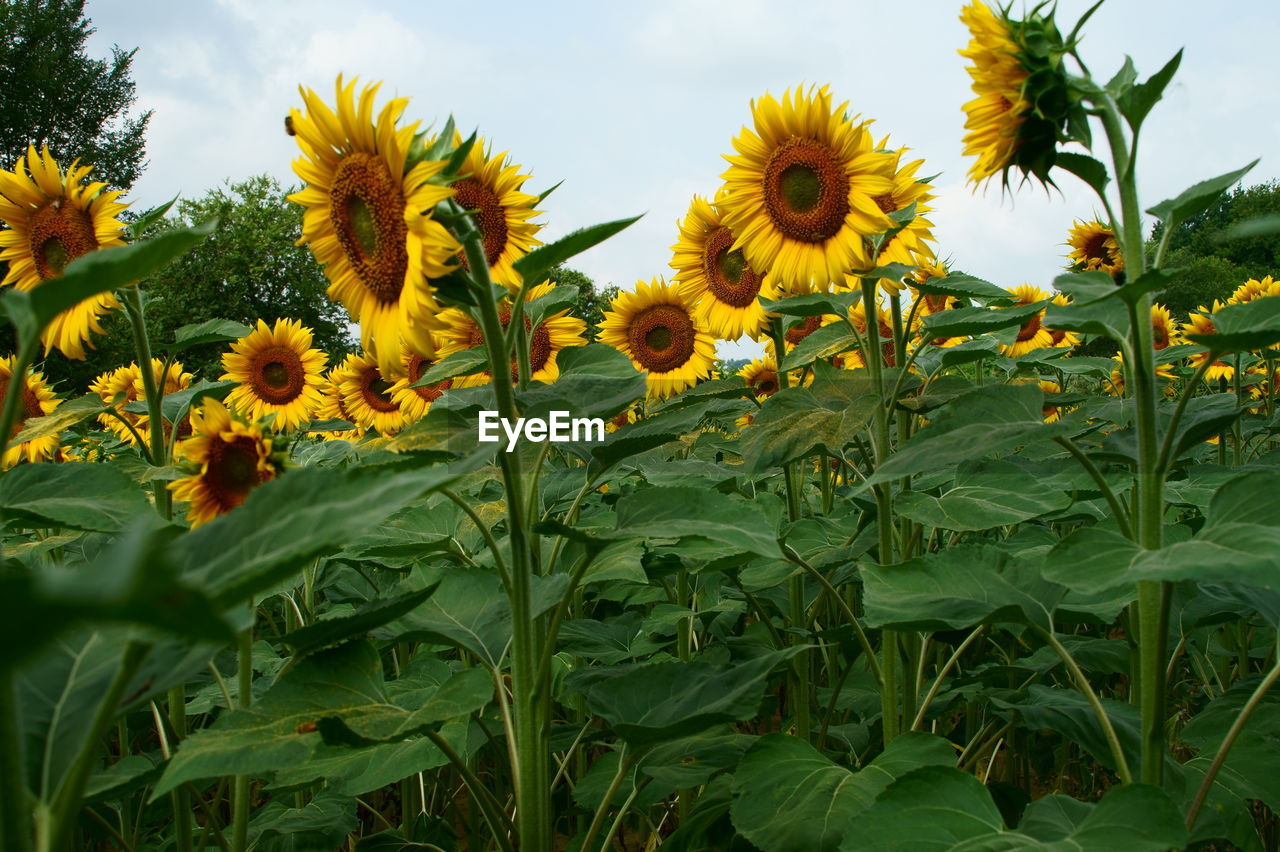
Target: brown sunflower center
{"type": "Point", "coordinates": [1160, 335]}
{"type": "Point", "coordinates": [766, 383]}
{"type": "Point", "coordinates": [374, 389]}
{"type": "Point", "coordinates": [806, 190]}
{"type": "Point", "coordinates": [801, 330]}
{"type": "Point", "coordinates": [366, 208]}
{"type": "Point", "coordinates": [232, 470]}
{"type": "Point", "coordinates": [730, 279]}
{"type": "Point", "coordinates": [886, 203]}
{"type": "Point", "coordinates": [661, 338]}
{"type": "Point", "coordinates": [488, 214]}
{"type": "Point", "coordinates": [1095, 248]}
{"type": "Point", "coordinates": [418, 365]}
{"type": "Point", "coordinates": [1029, 329]}
{"type": "Point", "coordinates": [539, 343]}
{"type": "Point", "coordinates": [277, 375]}
{"type": "Point", "coordinates": [30, 406]}
{"type": "Point", "coordinates": [59, 234]}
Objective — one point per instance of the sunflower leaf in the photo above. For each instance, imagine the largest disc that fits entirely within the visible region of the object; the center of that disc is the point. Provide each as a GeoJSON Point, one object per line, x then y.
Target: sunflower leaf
{"type": "Point", "coordinates": [176, 405]}
{"type": "Point", "coordinates": [825, 342]}
{"type": "Point", "coordinates": [535, 266]}
{"type": "Point", "coordinates": [1136, 100]}
{"type": "Point", "coordinates": [210, 331]}
{"type": "Point", "coordinates": [1196, 199]}
{"type": "Point", "coordinates": [1243, 327]}
{"type": "Point", "coordinates": [963, 322]}
{"type": "Point", "coordinates": [463, 363]}
{"type": "Point", "coordinates": [964, 286]}
{"type": "Point", "coordinates": [812, 304]}
{"type": "Point", "coordinates": [63, 417]}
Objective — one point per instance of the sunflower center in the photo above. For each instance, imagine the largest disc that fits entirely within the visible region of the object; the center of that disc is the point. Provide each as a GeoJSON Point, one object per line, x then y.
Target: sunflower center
{"type": "Point", "coordinates": [277, 375]}
{"type": "Point", "coordinates": [766, 383]}
{"type": "Point", "coordinates": [418, 365]}
{"type": "Point", "coordinates": [886, 203]}
{"type": "Point", "coordinates": [375, 389]}
{"type": "Point", "coordinates": [729, 278]}
{"type": "Point", "coordinates": [1160, 335]}
{"type": "Point", "coordinates": [806, 190]}
{"type": "Point", "coordinates": [662, 337]}
{"type": "Point", "coordinates": [1029, 329]}
{"type": "Point", "coordinates": [366, 208]}
{"type": "Point", "coordinates": [232, 470]}
{"type": "Point", "coordinates": [488, 214]}
{"type": "Point", "coordinates": [1095, 248]}
{"type": "Point", "coordinates": [59, 234]}
{"type": "Point", "coordinates": [801, 330]}
{"type": "Point", "coordinates": [30, 405]}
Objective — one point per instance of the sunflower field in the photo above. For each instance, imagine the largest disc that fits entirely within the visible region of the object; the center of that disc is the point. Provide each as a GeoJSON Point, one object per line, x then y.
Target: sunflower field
{"type": "Point", "coordinates": [925, 576]}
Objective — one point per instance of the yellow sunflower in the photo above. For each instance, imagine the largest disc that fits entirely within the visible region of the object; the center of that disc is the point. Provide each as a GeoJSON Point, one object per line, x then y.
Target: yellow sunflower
{"type": "Point", "coordinates": [911, 245]}
{"type": "Point", "coordinates": [1094, 246]}
{"type": "Point", "coordinates": [1062, 339]}
{"type": "Point", "coordinates": [490, 189]}
{"type": "Point", "coordinates": [168, 381]}
{"type": "Point", "coordinates": [233, 458]}
{"type": "Point", "coordinates": [625, 417]}
{"type": "Point", "coordinates": [332, 407]}
{"type": "Point", "coordinates": [368, 220]}
{"type": "Point", "coordinates": [1254, 289]}
{"type": "Point", "coordinates": [1164, 331]}
{"type": "Point", "coordinates": [1032, 334]}
{"type": "Point", "coordinates": [800, 193]}
{"type": "Point", "coordinates": [54, 217]}
{"type": "Point", "coordinates": [415, 402]}
{"type": "Point", "coordinates": [366, 395]}
{"type": "Point", "coordinates": [278, 372]}
{"type": "Point", "coordinates": [933, 303]}
{"type": "Point", "coordinates": [122, 382]}
{"type": "Point", "coordinates": [1200, 321]}
{"type": "Point", "coordinates": [995, 117]}
{"type": "Point", "coordinates": [545, 342]}
{"type": "Point", "coordinates": [37, 400]}
{"type": "Point", "coordinates": [716, 276]}
{"type": "Point", "coordinates": [1050, 412]}
{"type": "Point", "coordinates": [856, 359]}
{"type": "Point", "coordinates": [762, 376]}
{"type": "Point", "coordinates": [655, 326]}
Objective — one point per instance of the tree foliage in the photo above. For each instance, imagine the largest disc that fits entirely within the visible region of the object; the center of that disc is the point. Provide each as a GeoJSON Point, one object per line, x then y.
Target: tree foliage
{"type": "Point", "coordinates": [56, 94]}
{"type": "Point", "coordinates": [592, 302]}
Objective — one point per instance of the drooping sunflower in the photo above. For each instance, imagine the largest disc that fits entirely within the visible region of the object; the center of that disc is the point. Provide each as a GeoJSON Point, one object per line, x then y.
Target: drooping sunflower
{"type": "Point", "coordinates": [995, 117]}
{"type": "Point", "coordinates": [415, 402]}
{"type": "Point", "coordinates": [332, 407]}
{"type": "Point", "coordinates": [800, 192]}
{"type": "Point", "coordinates": [366, 395]}
{"type": "Point", "coordinates": [655, 326]}
{"type": "Point", "coordinates": [491, 190]}
{"type": "Point", "coordinates": [233, 458]}
{"type": "Point", "coordinates": [716, 276]}
{"type": "Point", "coordinates": [1031, 334]}
{"type": "Point", "coordinates": [278, 371]}
{"type": "Point", "coordinates": [1094, 246]}
{"type": "Point", "coordinates": [554, 333]}
{"type": "Point", "coordinates": [54, 217]}
{"type": "Point", "coordinates": [36, 400]}
{"type": "Point", "coordinates": [121, 382]}
{"type": "Point", "coordinates": [1200, 321]}
{"type": "Point", "coordinates": [368, 220]}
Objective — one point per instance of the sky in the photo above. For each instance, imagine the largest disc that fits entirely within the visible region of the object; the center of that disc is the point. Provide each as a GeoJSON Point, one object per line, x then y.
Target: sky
{"type": "Point", "coordinates": [632, 105]}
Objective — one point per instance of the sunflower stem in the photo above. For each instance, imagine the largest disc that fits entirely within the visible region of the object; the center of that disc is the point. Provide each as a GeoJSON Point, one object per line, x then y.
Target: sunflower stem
{"type": "Point", "coordinates": [531, 689]}
{"type": "Point", "coordinates": [244, 698]}
{"type": "Point", "coordinates": [15, 818]}
{"type": "Point", "coordinates": [142, 348]}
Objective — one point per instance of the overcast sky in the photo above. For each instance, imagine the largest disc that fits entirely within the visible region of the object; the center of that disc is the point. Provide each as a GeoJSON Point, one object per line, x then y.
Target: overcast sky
{"type": "Point", "coordinates": [632, 104]}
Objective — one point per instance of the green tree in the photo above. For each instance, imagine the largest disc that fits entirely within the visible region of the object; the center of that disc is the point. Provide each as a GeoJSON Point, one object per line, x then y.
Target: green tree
{"type": "Point", "coordinates": [592, 302]}
{"type": "Point", "coordinates": [249, 269]}
{"type": "Point", "coordinates": [1211, 267]}
{"type": "Point", "coordinates": [56, 94]}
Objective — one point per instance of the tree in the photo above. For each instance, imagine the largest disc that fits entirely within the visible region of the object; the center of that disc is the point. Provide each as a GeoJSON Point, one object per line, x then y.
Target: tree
{"type": "Point", "coordinates": [1212, 268]}
{"type": "Point", "coordinates": [249, 269]}
{"type": "Point", "coordinates": [56, 94]}
{"type": "Point", "coordinates": [592, 303]}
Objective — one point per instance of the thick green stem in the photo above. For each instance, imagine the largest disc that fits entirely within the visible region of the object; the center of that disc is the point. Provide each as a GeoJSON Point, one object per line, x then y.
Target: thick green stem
{"type": "Point", "coordinates": [625, 761]}
{"type": "Point", "coordinates": [530, 688]}
{"type": "Point", "coordinates": [241, 790]}
{"type": "Point", "coordinates": [181, 804]}
{"type": "Point", "coordinates": [15, 817]}
{"type": "Point", "coordinates": [154, 391]}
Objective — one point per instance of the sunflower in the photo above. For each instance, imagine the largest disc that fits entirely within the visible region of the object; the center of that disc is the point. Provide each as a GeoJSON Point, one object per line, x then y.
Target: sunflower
{"type": "Point", "coordinates": [122, 382]}
{"type": "Point", "coordinates": [1200, 321]}
{"type": "Point", "coordinates": [625, 417]}
{"type": "Point", "coordinates": [37, 400]}
{"type": "Point", "coordinates": [933, 303]}
{"type": "Point", "coordinates": [1031, 334]}
{"type": "Point", "coordinates": [1093, 246]}
{"type": "Point", "coordinates": [366, 395]}
{"type": "Point", "coordinates": [168, 380]}
{"type": "Point", "coordinates": [1254, 289]}
{"type": "Point", "coordinates": [545, 342]}
{"type": "Point", "coordinates": [1164, 331]}
{"type": "Point", "coordinates": [368, 220]}
{"type": "Point", "coordinates": [911, 245]}
{"type": "Point", "coordinates": [655, 326]}
{"type": "Point", "coordinates": [415, 402]}
{"type": "Point", "coordinates": [233, 458]}
{"type": "Point", "coordinates": [995, 117]}
{"type": "Point", "coordinates": [798, 331]}
{"type": "Point", "coordinates": [332, 407]}
{"type": "Point", "coordinates": [278, 372]}
{"type": "Point", "coordinates": [761, 375]}
{"type": "Point", "coordinates": [1048, 411]}
{"type": "Point", "coordinates": [800, 194]}
{"type": "Point", "coordinates": [1062, 339]}
{"type": "Point", "coordinates": [716, 276]}
{"type": "Point", "coordinates": [491, 191]}
{"type": "Point", "coordinates": [54, 217]}
{"type": "Point", "coordinates": [856, 359]}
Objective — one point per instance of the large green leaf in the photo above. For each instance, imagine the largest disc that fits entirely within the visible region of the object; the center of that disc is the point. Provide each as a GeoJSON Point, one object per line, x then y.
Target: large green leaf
{"type": "Point", "coordinates": [654, 702]}
{"type": "Point", "coordinates": [791, 797]}
{"type": "Point", "coordinates": [987, 496]}
{"type": "Point", "coordinates": [535, 265]}
{"type": "Point", "coordinates": [332, 631]}
{"type": "Point", "coordinates": [93, 497]}
{"type": "Point", "coordinates": [1068, 713]}
{"type": "Point", "coordinates": [963, 322]}
{"type": "Point", "coordinates": [209, 331]}
{"type": "Point", "coordinates": [1243, 327]}
{"type": "Point", "coordinates": [964, 286]}
{"type": "Point", "coordinates": [341, 689]}
{"type": "Point", "coordinates": [958, 588]}
{"type": "Point", "coordinates": [467, 610]}
{"type": "Point", "coordinates": [594, 381]}
{"type": "Point", "coordinates": [931, 808]}
{"type": "Point", "coordinates": [63, 417]}
{"type": "Point", "coordinates": [1253, 764]}
{"type": "Point", "coordinates": [982, 421]}
{"type": "Point", "coordinates": [824, 342]}
{"type": "Point", "coordinates": [320, 825]}
{"type": "Point", "coordinates": [797, 421]}
{"type": "Point", "coordinates": [681, 512]}
{"type": "Point", "coordinates": [1196, 199]}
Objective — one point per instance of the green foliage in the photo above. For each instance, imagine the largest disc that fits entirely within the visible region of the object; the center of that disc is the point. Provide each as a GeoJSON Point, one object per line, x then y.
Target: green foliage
{"type": "Point", "coordinates": [591, 303]}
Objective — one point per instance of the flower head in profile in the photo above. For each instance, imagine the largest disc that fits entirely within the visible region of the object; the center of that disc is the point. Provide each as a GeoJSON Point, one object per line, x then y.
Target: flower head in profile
{"type": "Point", "coordinates": [716, 276]}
